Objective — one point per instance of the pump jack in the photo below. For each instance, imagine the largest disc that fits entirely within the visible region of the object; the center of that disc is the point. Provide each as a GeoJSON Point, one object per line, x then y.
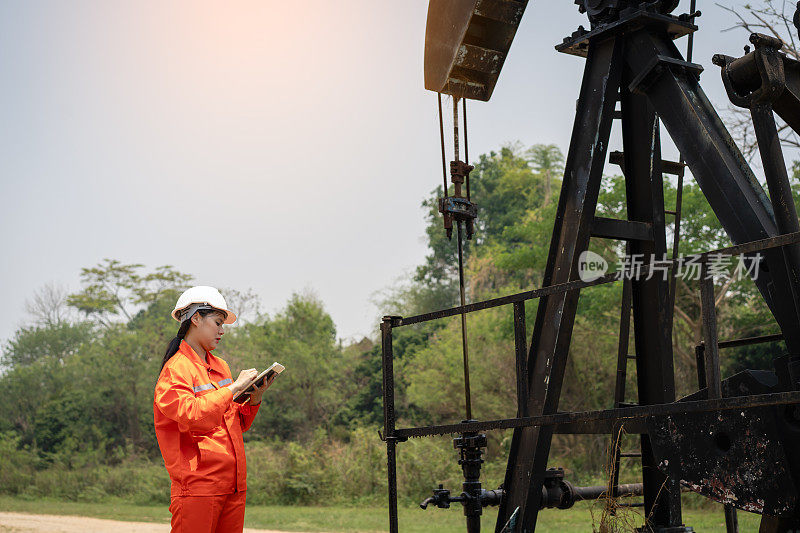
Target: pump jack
{"type": "Point", "coordinates": [737, 440]}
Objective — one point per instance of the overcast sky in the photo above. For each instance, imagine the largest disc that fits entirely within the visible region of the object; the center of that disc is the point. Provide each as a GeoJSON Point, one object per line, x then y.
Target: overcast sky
{"type": "Point", "coordinates": [266, 145]}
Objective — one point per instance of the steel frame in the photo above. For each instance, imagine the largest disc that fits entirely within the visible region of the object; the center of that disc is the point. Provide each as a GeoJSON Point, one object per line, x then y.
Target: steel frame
{"type": "Point", "coordinates": [631, 58]}
{"type": "Point", "coordinates": [586, 422]}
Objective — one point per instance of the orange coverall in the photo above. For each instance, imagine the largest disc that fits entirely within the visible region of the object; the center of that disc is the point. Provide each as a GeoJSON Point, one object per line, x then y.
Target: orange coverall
{"type": "Point", "coordinates": [199, 430]}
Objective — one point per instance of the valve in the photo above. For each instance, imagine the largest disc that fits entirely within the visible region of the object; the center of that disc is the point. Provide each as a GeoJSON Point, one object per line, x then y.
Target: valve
{"type": "Point", "coordinates": [473, 498]}
{"type": "Point", "coordinates": [441, 499]}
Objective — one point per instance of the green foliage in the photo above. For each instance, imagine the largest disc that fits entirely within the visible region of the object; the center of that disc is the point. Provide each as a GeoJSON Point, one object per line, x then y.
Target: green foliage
{"type": "Point", "coordinates": [79, 393]}
{"type": "Point", "coordinates": [362, 405]}
{"type": "Point", "coordinates": [18, 465]}
{"type": "Point", "coordinates": [303, 338]}
{"type": "Point", "coordinates": [55, 342]}
{"type": "Point", "coordinates": [139, 483]}
{"type": "Point", "coordinates": [434, 374]}
{"type": "Point", "coordinates": [113, 289]}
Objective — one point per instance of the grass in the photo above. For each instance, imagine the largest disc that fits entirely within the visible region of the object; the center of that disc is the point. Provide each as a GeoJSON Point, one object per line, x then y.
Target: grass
{"type": "Point", "coordinates": [364, 519]}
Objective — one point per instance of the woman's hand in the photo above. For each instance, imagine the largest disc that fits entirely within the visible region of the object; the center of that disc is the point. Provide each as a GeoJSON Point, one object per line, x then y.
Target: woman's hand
{"type": "Point", "coordinates": [255, 396]}
{"type": "Point", "coordinates": [245, 377]}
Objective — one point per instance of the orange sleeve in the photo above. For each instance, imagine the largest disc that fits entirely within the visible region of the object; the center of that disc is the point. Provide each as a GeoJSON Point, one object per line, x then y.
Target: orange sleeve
{"type": "Point", "coordinates": [176, 399]}
{"type": "Point", "coordinates": [247, 414]}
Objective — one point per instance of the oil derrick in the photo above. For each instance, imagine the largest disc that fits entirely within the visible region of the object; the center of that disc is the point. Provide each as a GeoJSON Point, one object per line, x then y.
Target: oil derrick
{"type": "Point", "coordinates": [737, 440]}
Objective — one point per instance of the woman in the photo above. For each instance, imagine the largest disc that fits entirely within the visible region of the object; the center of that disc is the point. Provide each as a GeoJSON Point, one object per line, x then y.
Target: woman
{"type": "Point", "coordinates": [198, 425]}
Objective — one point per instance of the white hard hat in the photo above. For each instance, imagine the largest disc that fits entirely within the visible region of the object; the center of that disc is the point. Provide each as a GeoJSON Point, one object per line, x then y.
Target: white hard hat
{"type": "Point", "coordinates": [201, 297]}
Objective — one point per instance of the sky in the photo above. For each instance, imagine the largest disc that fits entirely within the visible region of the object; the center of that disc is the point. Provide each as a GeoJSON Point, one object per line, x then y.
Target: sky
{"type": "Point", "coordinates": [267, 145]}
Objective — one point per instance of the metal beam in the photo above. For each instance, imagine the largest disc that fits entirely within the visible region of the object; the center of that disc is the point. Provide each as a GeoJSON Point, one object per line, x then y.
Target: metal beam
{"type": "Point", "coordinates": [530, 446]}
{"type": "Point", "coordinates": [675, 168]}
{"type": "Point", "coordinates": [626, 230]}
{"type": "Point", "coordinates": [387, 359]}
{"type": "Point", "coordinates": [623, 414]}
{"type": "Point", "coordinates": [716, 164]}
{"type": "Point", "coordinates": [651, 316]}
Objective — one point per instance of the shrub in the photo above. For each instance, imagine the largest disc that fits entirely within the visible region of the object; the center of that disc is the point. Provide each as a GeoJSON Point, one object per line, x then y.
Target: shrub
{"type": "Point", "coordinates": [18, 465]}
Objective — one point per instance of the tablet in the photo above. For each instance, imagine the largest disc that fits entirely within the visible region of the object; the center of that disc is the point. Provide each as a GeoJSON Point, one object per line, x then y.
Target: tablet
{"type": "Point", "coordinates": [274, 369]}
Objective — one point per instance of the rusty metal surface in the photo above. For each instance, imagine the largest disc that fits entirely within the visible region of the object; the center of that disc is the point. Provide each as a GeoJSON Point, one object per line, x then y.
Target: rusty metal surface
{"type": "Point", "coordinates": [712, 376]}
{"type": "Point", "coordinates": [731, 457]}
{"type": "Point", "coordinates": [466, 44]}
{"type": "Point", "coordinates": [742, 457]}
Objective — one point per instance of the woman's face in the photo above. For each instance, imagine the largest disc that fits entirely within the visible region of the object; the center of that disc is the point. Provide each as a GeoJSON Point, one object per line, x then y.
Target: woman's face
{"type": "Point", "coordinates": [208, 329]}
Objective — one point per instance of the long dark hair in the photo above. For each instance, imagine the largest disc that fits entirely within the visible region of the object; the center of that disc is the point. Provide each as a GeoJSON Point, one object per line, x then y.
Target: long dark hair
{"type": "Point", "coordinates": [175, 343]}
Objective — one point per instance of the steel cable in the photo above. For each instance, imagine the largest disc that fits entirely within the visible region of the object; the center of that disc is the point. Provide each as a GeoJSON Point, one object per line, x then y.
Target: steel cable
{"type": "Point", "coordinates": [441, 137]}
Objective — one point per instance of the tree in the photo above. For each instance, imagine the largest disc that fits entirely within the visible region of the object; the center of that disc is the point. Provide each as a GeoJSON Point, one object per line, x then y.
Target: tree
{"type": "Point", "coordinates": [48, 306]}
{"type": "Point", "coordinates": [113, 289]}
{"type": "Point", "coordinates": [302, 337]}
{"type": "Point", "coordinates": [547, 160]}
{"type": "Point", "coordinates": [246, 303]}
{"type": "Point", "coordinates": [506, 185]}
{"type": "Point", "coordinates": [105, 367]}
{"type": "Point", "coordinates": [51, 343]}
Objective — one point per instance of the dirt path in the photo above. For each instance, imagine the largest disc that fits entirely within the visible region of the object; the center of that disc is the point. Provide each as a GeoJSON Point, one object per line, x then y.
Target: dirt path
{"type": "Point", "coordinates": [43, 523]}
